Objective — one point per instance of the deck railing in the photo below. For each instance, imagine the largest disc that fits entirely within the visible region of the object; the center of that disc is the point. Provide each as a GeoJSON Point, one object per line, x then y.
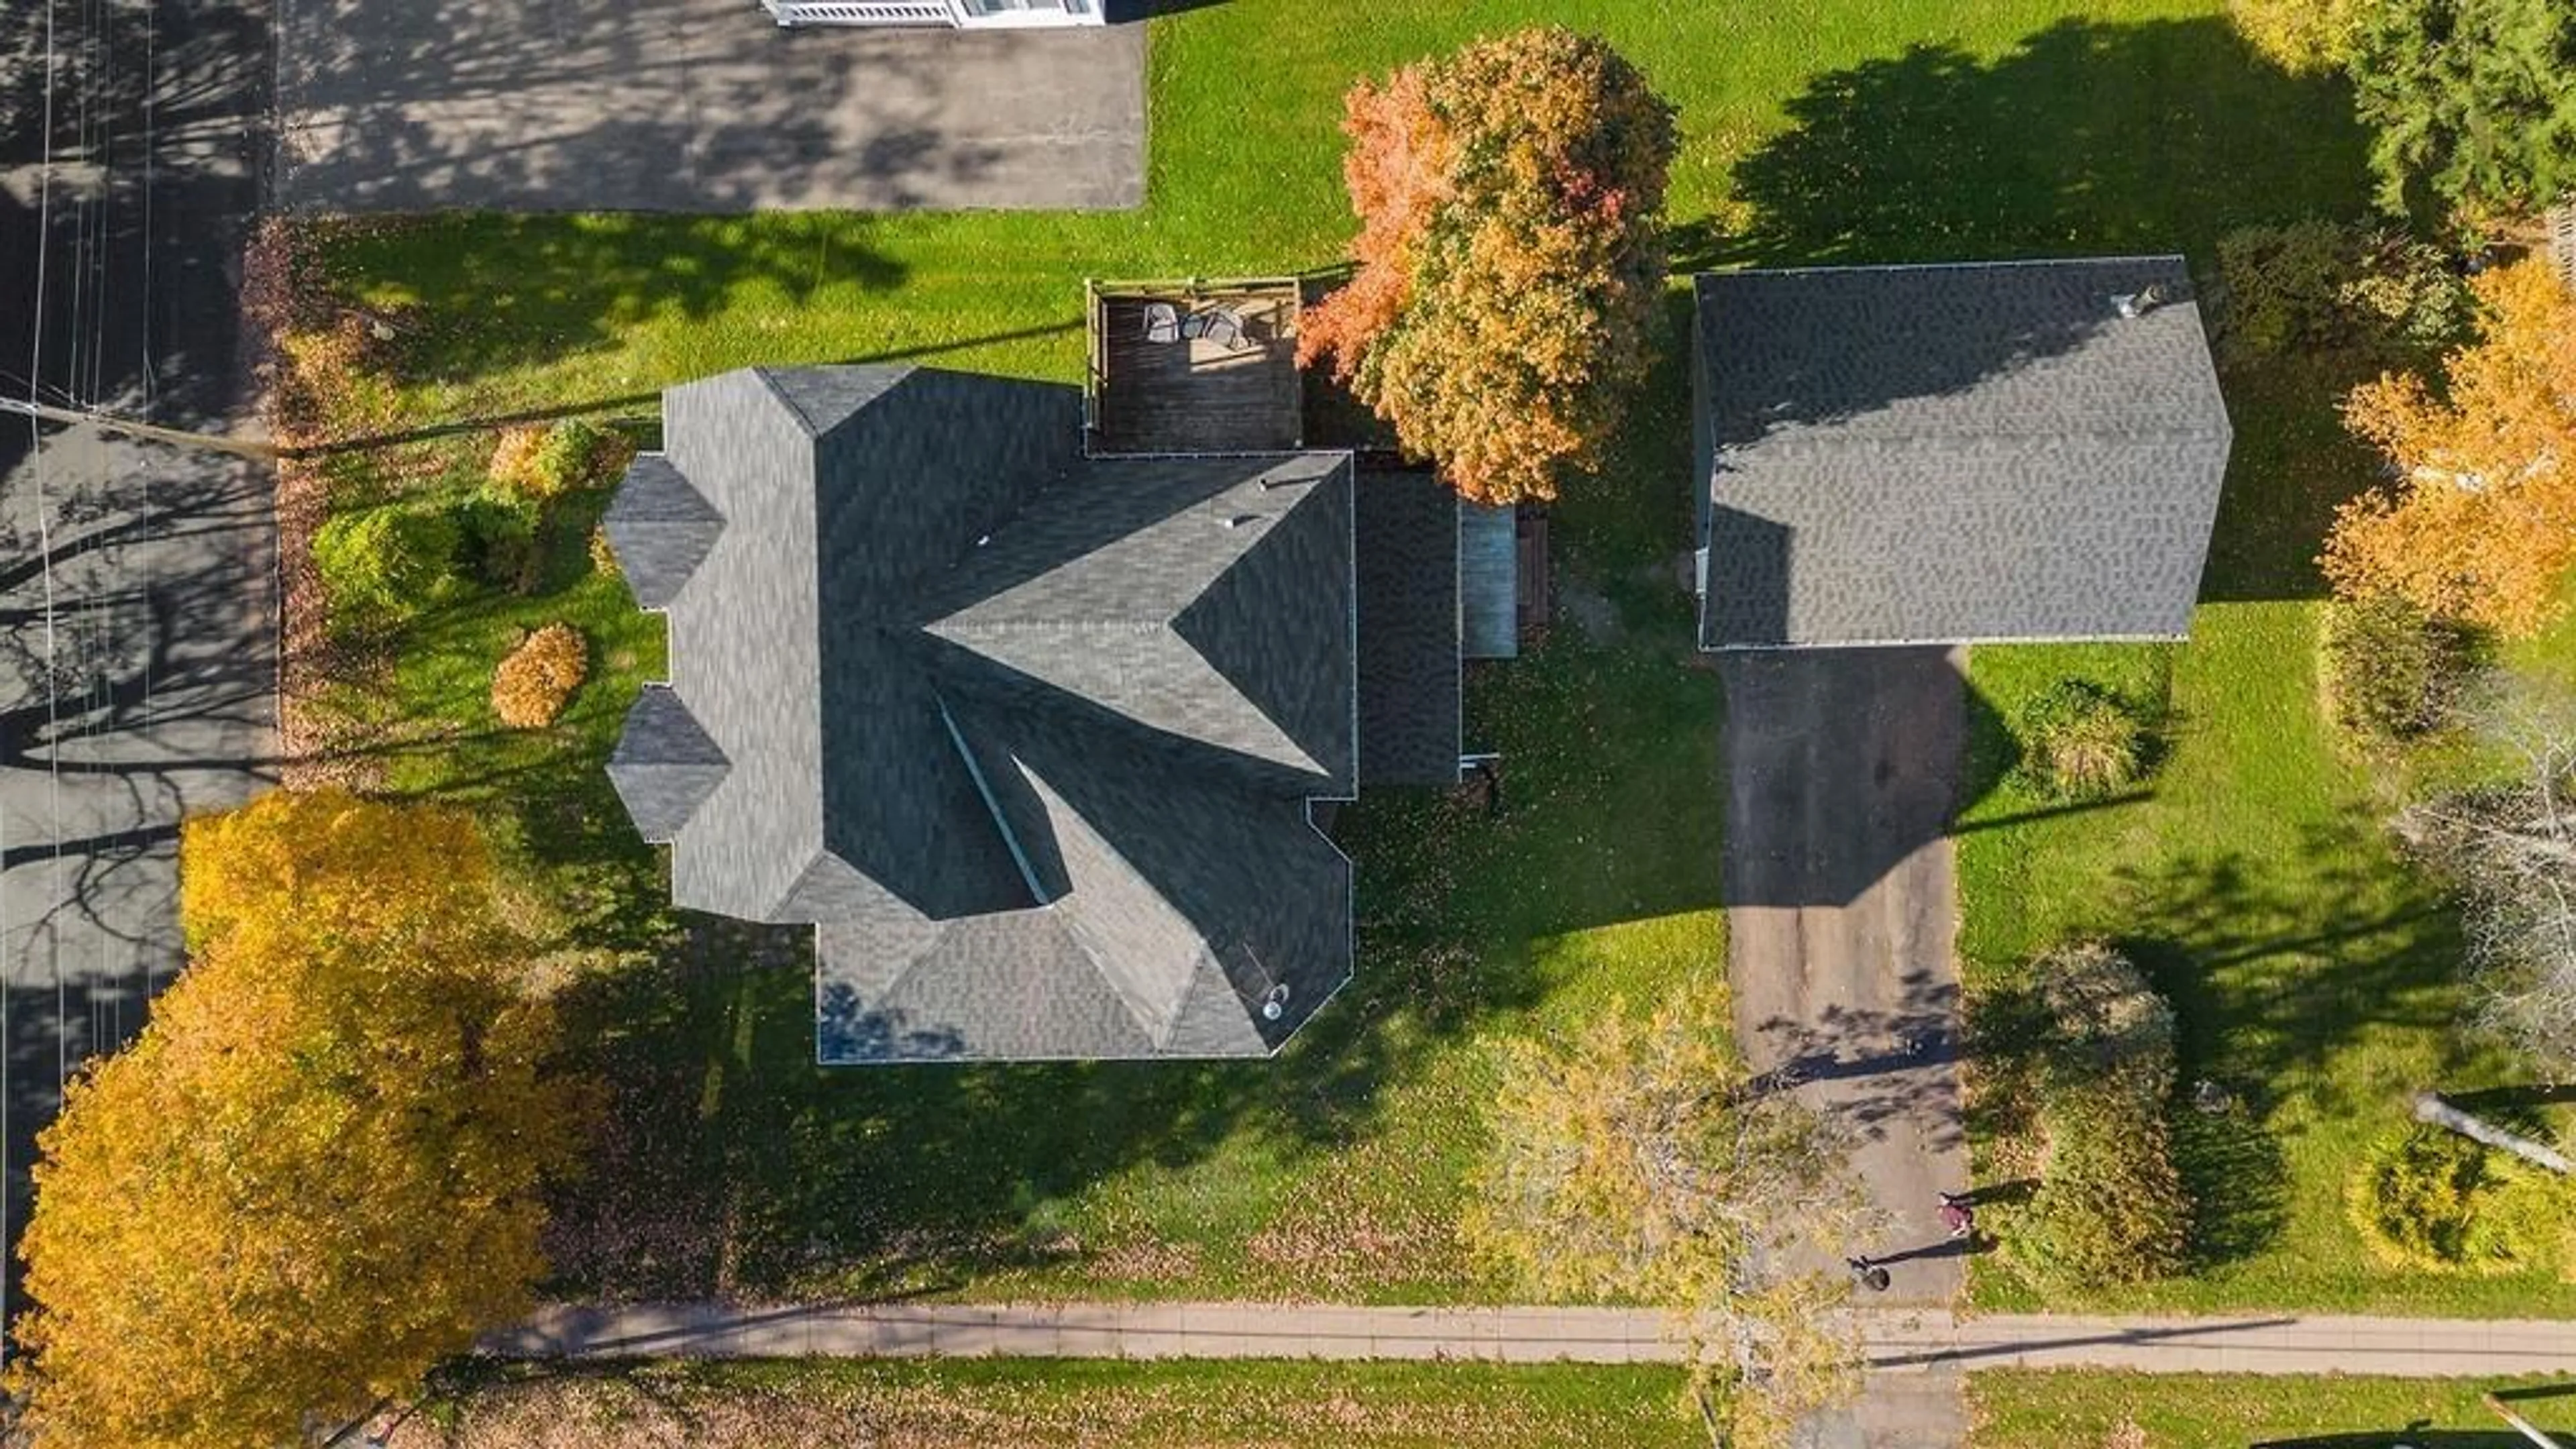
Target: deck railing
{"type": "Point", "coordinates": [859, 12]}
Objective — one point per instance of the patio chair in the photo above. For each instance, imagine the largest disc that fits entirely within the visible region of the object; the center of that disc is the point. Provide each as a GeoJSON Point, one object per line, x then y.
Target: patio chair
{"type": "Point", "coordinates": [1221, 325]}
{"type": "Point", "coordinates": [1162, 322]}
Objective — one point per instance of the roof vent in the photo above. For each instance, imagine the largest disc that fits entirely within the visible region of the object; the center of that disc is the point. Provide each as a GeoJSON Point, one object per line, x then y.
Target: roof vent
{"type": "Point", "coordinates": [2140, 302]}
{"type": "Point", "coordinates": [1274, 1002]}
{"type": "Point", "coordinates": [1243, 520]}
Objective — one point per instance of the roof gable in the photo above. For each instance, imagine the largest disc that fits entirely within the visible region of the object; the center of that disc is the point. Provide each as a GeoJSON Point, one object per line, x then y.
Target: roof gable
{"type": "Point", "coordinates": [664, 765]}
{"type": "Point", "coordinates": [1211, 603]}
{"type": "Point", "coordinates": [660, 528]}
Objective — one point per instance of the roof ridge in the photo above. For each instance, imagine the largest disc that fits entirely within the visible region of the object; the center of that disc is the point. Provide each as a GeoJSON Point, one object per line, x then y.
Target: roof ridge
{"type": "Point", "coordinates": [769, 384]}
{"type": "Point", "coordinates": [1070, 910]}
{"type": "Point", "coordinates": [1775, 439]}
{"type": "Point", "coordinates": [1279, 748]}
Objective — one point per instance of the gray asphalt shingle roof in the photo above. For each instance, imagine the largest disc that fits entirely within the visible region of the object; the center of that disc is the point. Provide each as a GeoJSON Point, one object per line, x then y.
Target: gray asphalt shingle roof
{"type": "Point", "coordinates": [1953, 453]}
{"type": "Point", "coordinates": [1030, 738]}
{"type": "Point", "coordinates": [1409, 628]}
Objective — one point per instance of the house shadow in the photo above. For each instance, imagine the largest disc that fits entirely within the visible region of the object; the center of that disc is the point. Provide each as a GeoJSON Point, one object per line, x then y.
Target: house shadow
{"type": "Point", "coordinates": [1137, 12]}
{"type": "Point", "coordinates": [1842, 764]}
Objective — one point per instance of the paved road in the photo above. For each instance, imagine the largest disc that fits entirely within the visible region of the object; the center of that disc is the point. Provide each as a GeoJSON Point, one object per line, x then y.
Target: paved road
{"type": "Point", "coordinates": [1842, 772]}
{"type": "Point", "coordinates": [695, 105]}
{"type": "Point", "coordinates": [136, 601]}
{"type": "Point", "coordinates": [1900, 1341]}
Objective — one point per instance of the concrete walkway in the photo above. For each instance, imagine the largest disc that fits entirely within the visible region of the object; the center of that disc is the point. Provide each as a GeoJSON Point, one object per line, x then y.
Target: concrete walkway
{"type": "Point", "coordinates": [1900, 1341]}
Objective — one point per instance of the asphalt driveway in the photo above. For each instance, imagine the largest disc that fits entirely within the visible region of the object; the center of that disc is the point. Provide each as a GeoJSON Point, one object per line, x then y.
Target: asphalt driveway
{"type": "Point", "coordinates": [1842, 773]}
{"type": "Point", "coordinates": [694, 106]}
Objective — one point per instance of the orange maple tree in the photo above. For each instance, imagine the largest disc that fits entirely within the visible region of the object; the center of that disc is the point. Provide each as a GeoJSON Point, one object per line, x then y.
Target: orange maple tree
{"type": "Point", "coordinates": [2480, 522]}
{"type": "Point", "coordinates": [315, 1172]}
{"type": "Point", "coordinates": [1510, 256]}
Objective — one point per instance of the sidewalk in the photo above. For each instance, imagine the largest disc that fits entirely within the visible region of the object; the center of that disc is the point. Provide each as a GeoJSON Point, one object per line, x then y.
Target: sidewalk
{"type": "Point", "coordinates": [1899, 1341]}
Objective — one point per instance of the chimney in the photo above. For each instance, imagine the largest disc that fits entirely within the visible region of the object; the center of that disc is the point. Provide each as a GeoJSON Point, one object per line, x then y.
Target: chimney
{"type": "Point", "coordinates": [2140, 302]}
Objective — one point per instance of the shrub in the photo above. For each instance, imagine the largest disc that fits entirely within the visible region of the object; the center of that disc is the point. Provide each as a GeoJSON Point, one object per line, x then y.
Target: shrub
{"type": "Point", "coordinates": [500, 537]}
{"type": "Point", "coordinates": [2315, 284]}
{"type": "Point", "coordinates": [2300, 36]}
{"type": "Point", "coordinates": [2284, 284]}
{"type": "Point", "coordinates": [534, 683]}
{"type": "Point", "coordinates": [2432, 1199]}
{"type": "Point", "coordinates": [380, 567]}
{"type": "Point", "coordinates": [543, 464]}
{"type": "Point", "coordinates": [2082, 742]}
{"type": "Point", "coordinates": [2389, 672]}
{"type": "Point", "coordinates": [2408, 292]}
{"type": "Point", "coordinates": [2110, 1207]}
{"type": "Point", "coordinates": [2103, 1019]}
{"type": "Point", "coordinates": [603, 555]}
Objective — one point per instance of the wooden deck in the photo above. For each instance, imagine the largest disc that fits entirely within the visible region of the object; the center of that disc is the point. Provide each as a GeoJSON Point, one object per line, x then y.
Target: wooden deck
{"type": "Point", "coordinates": [1537, 594]}
{"type": "Point", "coordinates": [1198, 394]}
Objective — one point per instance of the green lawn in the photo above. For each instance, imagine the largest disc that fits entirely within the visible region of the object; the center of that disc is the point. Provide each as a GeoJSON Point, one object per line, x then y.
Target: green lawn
{"type": "Point", "coordinates": [2085, 1409]}
{"type": "Point", "coordinates": [1831, 131]}
{"type": "Point", "coordinates": [807, 1404]}
{"type": "Point", "coordinates": [1334, 1170]}
{"type": "Point", "coordinates": [2314, 973]}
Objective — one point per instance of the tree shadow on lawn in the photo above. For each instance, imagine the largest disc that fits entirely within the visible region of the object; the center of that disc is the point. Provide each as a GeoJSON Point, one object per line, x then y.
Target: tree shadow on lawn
{"type": "Point", "coordinates": [2260, 991]}
{"type": "Point", "coordinates": [489, 292]}
{"type": "Point", "coordinates": [2085, 139]}
{"type": "Point", "coordinates": [728, 1163]}
{"type": "Point", "coordinates": [2264, 1008]}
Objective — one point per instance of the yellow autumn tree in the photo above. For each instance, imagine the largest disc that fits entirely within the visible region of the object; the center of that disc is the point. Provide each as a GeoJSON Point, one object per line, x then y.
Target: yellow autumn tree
{"type": "Point", "coordinates": [2480, 522]}
{"type": "Point", "coordinates": [316, 1171]}
{"type": "Point", "coordinates": [1639, 1160]}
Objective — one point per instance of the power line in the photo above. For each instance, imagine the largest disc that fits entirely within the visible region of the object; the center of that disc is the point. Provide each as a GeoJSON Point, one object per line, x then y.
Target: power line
{"type": "Point", "coordinates": [35, 370]}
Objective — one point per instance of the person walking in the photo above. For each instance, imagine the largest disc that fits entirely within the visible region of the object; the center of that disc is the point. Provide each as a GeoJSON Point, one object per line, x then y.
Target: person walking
{"type": "Point", "coordinates": [1958, 1215]}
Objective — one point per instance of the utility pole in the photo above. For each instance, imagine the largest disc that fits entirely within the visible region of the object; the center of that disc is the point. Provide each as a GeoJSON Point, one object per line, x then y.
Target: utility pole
{"type": "Point", "coordinates": [2430, 1108]}
{"type": "Point", "coordinates": [176, 437]}
{"type": "Point", "coordinates": [2529, 1430]}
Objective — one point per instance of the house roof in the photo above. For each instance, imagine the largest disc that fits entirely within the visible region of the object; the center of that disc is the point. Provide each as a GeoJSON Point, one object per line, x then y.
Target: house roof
{"type": "Point", "coordinates": [1409, 626]}
{"type": "Point", "coordinates": [1028, 737]}
{"type": "Point", "coordinates": [1954, 453]}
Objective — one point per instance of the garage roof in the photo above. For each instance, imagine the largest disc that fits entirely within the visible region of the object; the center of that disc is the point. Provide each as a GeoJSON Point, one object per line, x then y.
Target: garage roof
{"type": "Point", "coordinates": [1954, 453]}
